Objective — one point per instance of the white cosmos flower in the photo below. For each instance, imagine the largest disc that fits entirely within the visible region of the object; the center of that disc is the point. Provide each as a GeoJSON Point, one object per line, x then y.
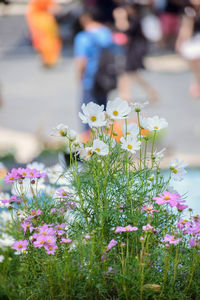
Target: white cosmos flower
{"type": "Point", "coordinates": [60, 130]}
{"type": "Point", "coordinates": [132, 129]}
{"type": "Point", "coordinates": [118, 109]}
{"type": "Point", "coordinates": [56, 175]}
{"type": "Point", "coordinates": [177, 168]}
{"type": "Point", "coordinates": [100, 147]}
{"type": "Point", "coordinates": [85, 153]}
{"type": "Point", "coordinates": [137, 106]}
{"type": "Point", "coordinates": [153, 124]}
{"type": "Point", "coordinates": [37, 165]}
{"type": "Point", "coordinates": [159, 155]}
{"type": "Point", "coordinates": [93, 114]}
{"type": "Point", "coordinates": [130, 144]}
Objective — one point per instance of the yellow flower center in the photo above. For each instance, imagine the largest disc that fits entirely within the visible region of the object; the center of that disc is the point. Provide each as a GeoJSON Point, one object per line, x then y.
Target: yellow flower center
{"type": "Point", "coordinates": [28, 225]}
{"type": "Point", "coordinates": [50, 247]}
{"type": "Point", "coordinates": [11, 178]}
{"type": "Point", "coordinates": [89, 152]}
{"type": "Point", "coordinates": [173, 239]}
{"type": "Point", "coordinates": [62, 132]}
{"type": "Point", "coordinates": [31, 173]}
{"type": "Point", "coordinates": [148, 208]}
{"type": "Point", "coordinates": [166, 197]}
{"type": "Point", "coordinates": [93, 118]}
{"type": "Point", "coordinates": [20, 246]}
{"type": "Point", "coordinates": [175, 171]}
{"type": "Point", "coordinates": [184, 222]}
{"type": "Point", "coordinates": [97, 149]}
{"type": "Point", "coordinates": [128, 133]}
{"type": "Point", "coordinates": [44, 233]}
{"type": "Point", "coordinates": [41, 242]}
{"type": "Point", "coordinates": [59, 227]}
{"type": "Point", "coordinates": [155, 127]}
{"type": "Point", "coordinates": [126, 227]}
{"type": "Point", "coordinates": [64, 194]}
{"type": "Point", "coordinates": [115, 113]}
{"type": "Point", "coordinates": [23, 173]}
{"type": "Point", "coordinates": [129, 147]}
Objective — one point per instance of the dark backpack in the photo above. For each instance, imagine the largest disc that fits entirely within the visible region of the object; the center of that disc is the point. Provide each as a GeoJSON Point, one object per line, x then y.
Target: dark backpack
{"type": "Point", "coordinates": [106, 76]}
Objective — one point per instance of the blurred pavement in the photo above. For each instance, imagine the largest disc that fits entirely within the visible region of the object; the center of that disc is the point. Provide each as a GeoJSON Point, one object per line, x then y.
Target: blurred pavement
{"type": "Point", "coordinates": [36, 99]}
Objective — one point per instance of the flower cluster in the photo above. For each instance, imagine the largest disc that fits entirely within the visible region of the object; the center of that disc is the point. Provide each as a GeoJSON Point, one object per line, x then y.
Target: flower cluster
{"type": "Point", "coordinates": [22, 173]}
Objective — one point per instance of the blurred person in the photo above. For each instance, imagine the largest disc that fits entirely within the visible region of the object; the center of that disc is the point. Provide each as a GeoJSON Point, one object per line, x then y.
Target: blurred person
{"type": "Point", "coordinates": [88, 47]}
{"type": "Point", "coordinates": [5, 6]}
{"type": "Point", "coordinates": [188, 43]}
{"type": "Point", "coordinates": [128, 21]}
{"type": "Point", "coordinates": [169, 15]}
{"type": "Point", "coordinates": [44, 30]}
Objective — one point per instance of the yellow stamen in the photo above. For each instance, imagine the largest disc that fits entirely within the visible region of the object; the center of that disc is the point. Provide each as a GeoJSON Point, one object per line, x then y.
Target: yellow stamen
{"type": "Point", "coordinates": [62, 132]}
{"type": "Point", "coordinates": [155, 127]}
{"type": "Point", "coordinates": [175, 171]}
{"type": "Point", "coordinates": [11, 178]}
{"type": "Point", "coordinates": [89, 152]}
{"type": "Point", "coordinates": [41, 242]}
{"type": "Point", "coordinates": [128, 133]}
{"type": "Point", "coordinates": [166, 197]}
{"type": "Point", "coordinates": [93, 118]}
{"type": "Point", "coordinates": [97, 149]}
{"type": "Point", "coordinates": [44, 233]}
{"type": "Point", "coordinates": [129, 147]}
{"type": "Point", "coordinates": [20, 246]}
{"type": "Point", "coordinates": [50, 247]}
{"type": "Point", "coordinates": [64, 194]}
{"type": "Point", "coordinates": [115, 113]}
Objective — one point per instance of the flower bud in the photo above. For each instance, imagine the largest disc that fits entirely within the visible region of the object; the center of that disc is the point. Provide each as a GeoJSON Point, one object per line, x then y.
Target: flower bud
{"type": "Point", "coordinates": [71, 134]}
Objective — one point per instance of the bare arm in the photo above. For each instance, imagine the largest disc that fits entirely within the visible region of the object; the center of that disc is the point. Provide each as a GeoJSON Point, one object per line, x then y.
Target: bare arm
{"type": "Point", "coordinates": [80, 63]}
{"type": "Point", "coordinates": [185, 32]}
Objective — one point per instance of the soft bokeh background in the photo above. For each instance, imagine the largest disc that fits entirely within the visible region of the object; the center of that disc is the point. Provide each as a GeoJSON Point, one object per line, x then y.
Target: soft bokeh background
{"type": "Point", "coordinates": [35, 99]}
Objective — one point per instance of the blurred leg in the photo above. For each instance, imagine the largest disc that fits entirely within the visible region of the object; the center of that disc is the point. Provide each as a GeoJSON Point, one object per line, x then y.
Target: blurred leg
{"type": "Point", "coordinates": [195, 87]}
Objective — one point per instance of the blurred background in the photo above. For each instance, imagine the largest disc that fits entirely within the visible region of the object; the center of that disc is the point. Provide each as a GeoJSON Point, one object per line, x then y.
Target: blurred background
{"type": "Point", "coordinates": [40, 84]}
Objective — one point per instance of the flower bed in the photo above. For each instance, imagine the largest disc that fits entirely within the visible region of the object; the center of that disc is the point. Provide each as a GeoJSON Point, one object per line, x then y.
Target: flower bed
{"type": "Point", "coordinates": [108, 227]}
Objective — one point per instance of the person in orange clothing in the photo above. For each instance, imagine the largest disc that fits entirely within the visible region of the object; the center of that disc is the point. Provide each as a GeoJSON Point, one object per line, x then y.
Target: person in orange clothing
{"type": "Point", "coordinates": [44, 30]}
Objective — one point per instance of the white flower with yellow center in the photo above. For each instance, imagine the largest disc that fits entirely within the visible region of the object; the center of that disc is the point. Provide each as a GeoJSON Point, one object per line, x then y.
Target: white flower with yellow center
{"type": "Point", "coordinates": [131, 130]}
{"type": "Point", "coordinates": [85, 153]}
{"type": "Point", "coordinates": [154, 124]}
{"type": "Point", "coordinates": [93, 115]}
{"type": "Point", "coordinates": [137, 106]}
{"type": "Point", "coordinates": [130, 144]}
{"type": "Point", "coordinates": [100, 147]}
{"type": "Point", "coordinates": [159, 155]}
{"type": "Point", "coordinates": [60, 130]}
{"type": "Point", "coordinates": [177, 169]}
{"type": "Point", "coordinates": [118, 109]}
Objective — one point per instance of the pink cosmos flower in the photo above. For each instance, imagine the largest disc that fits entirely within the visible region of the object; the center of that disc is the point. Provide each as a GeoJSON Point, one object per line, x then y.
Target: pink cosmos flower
{"type": "Point", "coordinates": [40, 241]}
{"type": "Point", "coordinates": [27, 226]}
{"type": "Point", "coordinates": [13, 199]}
{"type": "Point", "coordinates": [112, 244]}
{"type": "Point", "coordinates": [51, 248]}
{"type": "Point", "coordinates": [87, 237]}
{"type": "Point", "coordinates": [65, 241]}
{"type": "Point", "coordinates": [173, 199]}
{"type": "Point", "coordinates": [71, 205]}
{"type": "Point", "coordinates": [34, 214]}
{"type": "Point", "coordinates": [181, 207]}
{"type": "Point", "coordinates": [149, 209]}
{"type": "Point", "coordinates": [148, 227]}
{"type": "Point", "coordinates": [193, 242]}
{"type": "Point", "coordinates": [11, 176]}
{"type": "Point", "coordinates": [20, 245]}
{"type": "Point", "coordinates": [63, 193]}
{"type": "Point", "coordinates": [171, 239]}
{"type": "Point", "coordinates": [182, 224]}
{"type": "Point", "coordinates": [126, 228]}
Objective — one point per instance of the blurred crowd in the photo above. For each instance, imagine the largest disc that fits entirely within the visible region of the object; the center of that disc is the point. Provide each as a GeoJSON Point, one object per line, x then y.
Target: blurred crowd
{"type": "Point", "coordinates": [112, 37]}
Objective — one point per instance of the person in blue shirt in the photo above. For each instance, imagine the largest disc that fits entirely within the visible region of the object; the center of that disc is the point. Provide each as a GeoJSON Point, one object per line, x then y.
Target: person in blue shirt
{"type": "Point", "coordinates": [88, 45]}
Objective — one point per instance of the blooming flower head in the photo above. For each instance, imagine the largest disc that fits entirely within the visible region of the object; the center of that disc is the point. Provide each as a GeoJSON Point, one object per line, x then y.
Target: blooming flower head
{"type": "Point", "coordinates": [63, 193]}
{"type": "Point", "coordinates": [34, 213]}
{"type": "Point", "coordinates": [159, 155]}
{"type": "Point", "coordinates": [27, 226]}
{"type": "Point", "coordinates": [126, 228]}
{"type": "Point", "coordinates": [93, 115]}
{"type": "Point", "coordinates": [85, 153]}
{"type": "Point", "coordinates": [65, 241]}
{"type": "Point", "coordinates": [154, 124]}
{"type": "Point", "coordinates": [194, 242]}
{"type": "Point", "coordinates": [149, 209]}
{"type": "Point", "coordinates": [132, 129]}
{"type": "Point", "coordinates": [137, 106]}
{"type": "Point", "coordinates": [100, 147]}
{"type": "Point", "coordinates": [60, 130]}
{"type": "Point", "coordinates": [118, 109]}
{"type": "Point", "coordinates": [177, 169]}
{"type": "Point", "coordinates": [170, 239]}
{"type": "Point", "coordinates": [12, 176]}
{"type": "Point", "coordinates": [173, 199]}
{"type": "Point", "coordinates": [130, 144]}
{"type": "Point", "coordinates": [1, 258]}
{"type": "Point", "coordinates": [20, 245]}
{"type": "Point", "coordinates": [148, 228]}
